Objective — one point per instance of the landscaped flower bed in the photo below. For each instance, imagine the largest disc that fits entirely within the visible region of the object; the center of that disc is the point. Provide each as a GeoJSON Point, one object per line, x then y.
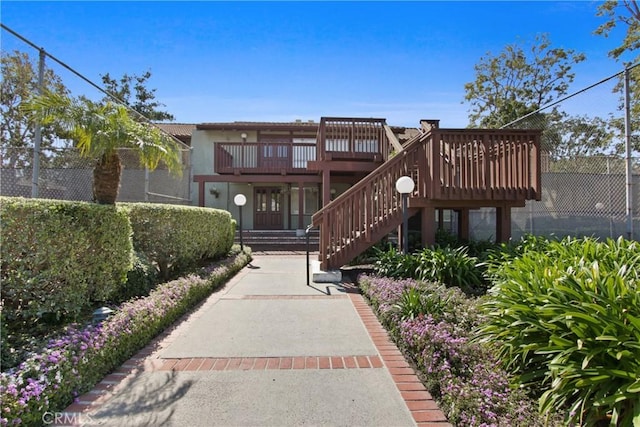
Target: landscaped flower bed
{"type": "Point", "coordinates": [462, 375]}
{"type": "Point", "coordinates": [75, 361]}
{"type": "Point", "coordinates": [560, 322]}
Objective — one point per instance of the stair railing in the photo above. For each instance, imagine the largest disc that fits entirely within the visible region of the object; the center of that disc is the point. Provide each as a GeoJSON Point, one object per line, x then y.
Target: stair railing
{"type": "Point", "coordinates": [368, 210]}
{"type": "Point", "coordinates": [446, 165]}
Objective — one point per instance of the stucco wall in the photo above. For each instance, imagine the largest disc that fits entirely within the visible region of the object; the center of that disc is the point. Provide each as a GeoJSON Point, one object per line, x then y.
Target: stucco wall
{"type": "Point", "coordinates": [203, 159]}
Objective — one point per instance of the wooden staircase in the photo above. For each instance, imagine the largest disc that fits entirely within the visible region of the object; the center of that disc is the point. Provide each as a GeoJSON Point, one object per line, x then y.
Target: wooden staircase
{"type": "Point", "coordinates": [467, 168]}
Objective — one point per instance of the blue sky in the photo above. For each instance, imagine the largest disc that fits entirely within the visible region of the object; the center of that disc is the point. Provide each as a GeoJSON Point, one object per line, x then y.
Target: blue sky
{"type": "Point", "coordinates": [272, 61]}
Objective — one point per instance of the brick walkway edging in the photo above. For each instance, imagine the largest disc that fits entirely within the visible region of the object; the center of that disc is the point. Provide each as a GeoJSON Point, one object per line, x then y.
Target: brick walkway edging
{"type": "Point", "coordinates": [424, 409]}
{"type": "Point", "coordinates": [419, 401]}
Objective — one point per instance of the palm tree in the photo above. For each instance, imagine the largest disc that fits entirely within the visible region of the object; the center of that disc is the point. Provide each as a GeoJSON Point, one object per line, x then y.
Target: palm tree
{"type": "Point", "coordinates": [99, 130]}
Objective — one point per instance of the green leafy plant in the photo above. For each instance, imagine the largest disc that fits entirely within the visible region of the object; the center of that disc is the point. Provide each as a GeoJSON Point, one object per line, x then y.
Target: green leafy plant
{"type": "Point", "coordinates": [433, 325]}
{"type": "Point", "coordinates": [392, 263]}
{"type": "Point", "coordinates": [505, 252]}
{"type": "Point", "coordinates": [567, 321]}
{"type": "Point", "coordinates": [371, 254]}
{"type": "Point", "coordinates": [446, 239]}
{"type": "Point", "coordinates": [425, 299]}
{"type": "Point", "coordinates": [452, 267]}
{"type": "Point", "coordinates": [411, 304]}
{"type": "Point", "coordinates": [175, 237]}
{"type": "Point", "coordinates": [141, 279]}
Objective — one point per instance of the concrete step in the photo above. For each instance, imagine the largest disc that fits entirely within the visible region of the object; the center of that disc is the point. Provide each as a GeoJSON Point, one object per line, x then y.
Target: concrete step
{"type": "Point", "coordinates": [278, 240]}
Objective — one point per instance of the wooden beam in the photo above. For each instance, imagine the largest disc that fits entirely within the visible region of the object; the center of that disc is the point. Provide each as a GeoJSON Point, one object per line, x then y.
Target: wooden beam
{"type": "Point", "coordinates": [300, 205]}
{"type": "Point", "coordinates": [257, 178]}
{"type": "Point", "coordinates": [343, 166]}
{"type": "Point", "coordinates": [423, 202]}
{"type": "Point", "coordinates": [503, 224]}
{"type": "Point", "coordinates": [463, 223]}
{"type": "Point", "coordinates": [201, 193]}
{"type": "Point", "coordinates": [428, 229]}
{"type": "Point", "coordinates": [326, 188]}
{"type": "Point", "coordinates": [393, 140]}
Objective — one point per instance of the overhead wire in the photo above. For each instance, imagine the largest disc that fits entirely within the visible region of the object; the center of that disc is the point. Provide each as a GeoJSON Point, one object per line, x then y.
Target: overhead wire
{"type": "Point", "coordinates": [559, 101]}
{"type": "Point", "coordinates": [91, 83]}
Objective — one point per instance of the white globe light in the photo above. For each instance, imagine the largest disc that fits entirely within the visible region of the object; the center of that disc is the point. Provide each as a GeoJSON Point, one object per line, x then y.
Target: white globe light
{"type": "Point", "coordinates": [405, 185]}
{"type": "Point", "coordinates": [240, 200]}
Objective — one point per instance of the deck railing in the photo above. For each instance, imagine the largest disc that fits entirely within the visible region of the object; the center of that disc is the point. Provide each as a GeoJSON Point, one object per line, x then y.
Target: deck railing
{"type": "Point", "coordinates": [446, 165]}
{"type": "Point", "coordinates": [484, 164]}
{"type": "Point", "coordinates": [352, 139]}
{"type": "Point", "coordinates": [263, 157]}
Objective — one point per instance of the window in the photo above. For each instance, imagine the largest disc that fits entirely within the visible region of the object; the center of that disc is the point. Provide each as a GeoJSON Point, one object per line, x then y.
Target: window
{"type": "Point", "coordinates": [310, 202]}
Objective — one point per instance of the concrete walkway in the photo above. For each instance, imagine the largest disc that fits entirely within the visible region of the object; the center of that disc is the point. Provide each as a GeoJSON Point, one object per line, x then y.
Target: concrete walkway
{"type": "Point", "coordinates": [266, 350]}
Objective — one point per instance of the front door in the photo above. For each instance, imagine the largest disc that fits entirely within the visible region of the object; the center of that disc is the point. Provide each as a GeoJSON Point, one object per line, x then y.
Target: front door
{"type": "Point", "coordinates": [268, 213]}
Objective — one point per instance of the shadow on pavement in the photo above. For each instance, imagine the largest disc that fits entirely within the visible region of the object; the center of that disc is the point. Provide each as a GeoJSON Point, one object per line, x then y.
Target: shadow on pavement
{"type": "Point", "coordinates": [148, 399]}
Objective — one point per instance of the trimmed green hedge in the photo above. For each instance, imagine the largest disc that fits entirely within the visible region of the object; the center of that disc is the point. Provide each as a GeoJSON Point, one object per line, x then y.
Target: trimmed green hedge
{"type": "Point", "coordinates": [59, 256]}
{"type": "Point", "coordinates": [174, 236]}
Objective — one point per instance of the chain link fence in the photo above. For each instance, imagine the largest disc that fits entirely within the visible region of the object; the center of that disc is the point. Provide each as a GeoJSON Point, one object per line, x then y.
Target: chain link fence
{"type": "Point", "coordinates": [584, 182]}
{"type": "Point", "coordinates": [575, 202]}
{"type": "Point", "coordinates": [62, 172]}
{"type": "Point", "coordinates": [66, 175]}
{"type": "Point", "coordinates": [584, 170]}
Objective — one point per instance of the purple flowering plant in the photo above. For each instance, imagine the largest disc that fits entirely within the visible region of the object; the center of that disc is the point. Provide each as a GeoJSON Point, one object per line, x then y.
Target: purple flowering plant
{"type": "Point", "coordinates": [463, 375]}
{"type": "Point", "coordinates": [80, 356]}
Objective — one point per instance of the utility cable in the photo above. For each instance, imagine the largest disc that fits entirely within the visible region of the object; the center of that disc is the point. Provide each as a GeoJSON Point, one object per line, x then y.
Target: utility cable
{"type": "Point", "coordinates": [570, 96]}
{"type": "Point", "coordinates": [87, 80]}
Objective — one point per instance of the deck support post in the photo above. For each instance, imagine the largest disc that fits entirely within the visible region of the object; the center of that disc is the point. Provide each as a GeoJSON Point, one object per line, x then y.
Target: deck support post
{"type": "Point", "coordinates": [428, 220]}
{"type": "Point", "coordinates": [503, 223]}
{"type": "Point", "coordinates": [300, 205]}
{"type": "Point", "coordinates": [463, 224]}
{"type": "Point", "coordinates": [201, 193]}
{"type": "Point", "coordinates": [326, 187]}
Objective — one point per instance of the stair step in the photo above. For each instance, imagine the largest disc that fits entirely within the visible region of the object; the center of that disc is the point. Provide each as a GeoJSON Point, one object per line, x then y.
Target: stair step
{"type": "Point", "coordinates": [278, 240]}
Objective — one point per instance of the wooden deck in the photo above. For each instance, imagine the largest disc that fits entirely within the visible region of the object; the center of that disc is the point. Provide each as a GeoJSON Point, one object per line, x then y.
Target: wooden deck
{"type": "Point", "coordinates": [452, 168]}
{"type": "Point", "coordinates": [264, 158]}
{"type": "Point", "coordinates": [458, 169]}
{"type": "Point", "coordinates": [341, 145]}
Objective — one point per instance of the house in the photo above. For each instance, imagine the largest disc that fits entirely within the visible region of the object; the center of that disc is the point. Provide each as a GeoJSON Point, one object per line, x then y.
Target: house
{"type": "Point", "coordinates": [278, 167]}
{"type": "Point", "coordinates": [291, 172]}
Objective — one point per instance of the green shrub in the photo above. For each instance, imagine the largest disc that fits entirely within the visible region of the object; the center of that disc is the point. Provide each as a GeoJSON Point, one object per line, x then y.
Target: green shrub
{"type": "Point", "coordinates": [505, 252]}
{"type": "Point", "coordinates": [141, 279]}
{"type": "Point", "coordinates": [437, 301]}
{"type": "Point", "coordinates": [175, 237]}
{"type": "Point", "coordinates": [395, 264]}
{"type": "Point", "coordinates": [567, 320]}
{"type": "Point", "coordinates": [446, 239]}
{"type": "Point", "coordinates": [370, 255]}
{"type": "Point", "coordinates": [451, 267]}
{"type": "Point", "coordinates": [59, 256]}
{"type": "Point", "coordinates": [412, 303]}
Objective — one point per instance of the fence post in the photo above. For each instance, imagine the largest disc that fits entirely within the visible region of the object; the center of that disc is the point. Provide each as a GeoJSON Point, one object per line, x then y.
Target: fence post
{"type": "Point", "coordinates": [37, 138]}
{"type": "Point", "coordinates": [627, 137]}
{"type": "Point", "coordinates": [146, 184]}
